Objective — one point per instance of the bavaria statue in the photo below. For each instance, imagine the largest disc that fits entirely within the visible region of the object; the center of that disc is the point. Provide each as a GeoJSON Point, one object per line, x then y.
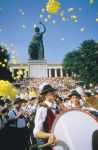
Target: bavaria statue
{"type": "Point", "coordinates": [36, 47]}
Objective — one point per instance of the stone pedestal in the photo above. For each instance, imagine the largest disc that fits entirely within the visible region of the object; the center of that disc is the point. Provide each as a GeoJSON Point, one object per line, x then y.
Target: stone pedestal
{"type": "Point", "coordinates": [37, 68]}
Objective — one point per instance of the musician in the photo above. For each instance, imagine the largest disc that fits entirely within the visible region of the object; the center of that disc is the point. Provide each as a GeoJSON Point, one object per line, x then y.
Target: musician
{"type": "Point", "coordinates": [75, 100]}
{"type": "Point", "coordinates": [85, 104]}
{"type": "Point", "coordinates": [18, 130]}
{"type": "Point", "coordinates": [45, 116]}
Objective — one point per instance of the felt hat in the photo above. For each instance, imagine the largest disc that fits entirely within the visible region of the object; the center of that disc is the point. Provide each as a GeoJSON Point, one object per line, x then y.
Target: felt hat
{"type": "Point", "coordinates": [18, 100]}
{"type": "Point", "coordinates": [75, 93]}
{"type": "Point", "coordinates": [88, 94]}
{"type": "Point", "coordinates": [47, 88]}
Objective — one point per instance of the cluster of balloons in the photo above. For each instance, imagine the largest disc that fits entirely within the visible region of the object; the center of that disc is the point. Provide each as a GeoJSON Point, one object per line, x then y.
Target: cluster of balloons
{"type": "Point", "coordinates": [7, 90]}
{"type": "Point", "coordinates": [33, 94]}
{"type": "Point", "coordinates": [3, 64]}
{"type": "Point", "coordinates": [53, 6]}
{"type": "Point", "coordinates": [73, 17]}
{"type": "Point", "coordinates": [70, 9]}
{"type": "Point", "coordinates": [29, 95]}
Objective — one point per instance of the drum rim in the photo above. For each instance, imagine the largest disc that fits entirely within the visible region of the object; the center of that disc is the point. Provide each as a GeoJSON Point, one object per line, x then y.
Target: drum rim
{"type": "Point", "coordinates": [86, 112]}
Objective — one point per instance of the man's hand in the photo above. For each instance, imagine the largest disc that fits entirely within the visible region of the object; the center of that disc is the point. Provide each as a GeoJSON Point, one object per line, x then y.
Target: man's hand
{"type": "Point", "coordinates": [52, 140]}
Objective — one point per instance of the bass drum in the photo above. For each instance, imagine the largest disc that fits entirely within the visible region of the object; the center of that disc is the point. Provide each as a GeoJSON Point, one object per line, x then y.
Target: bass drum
{"type": "Point", "coordinates": [76, 130]}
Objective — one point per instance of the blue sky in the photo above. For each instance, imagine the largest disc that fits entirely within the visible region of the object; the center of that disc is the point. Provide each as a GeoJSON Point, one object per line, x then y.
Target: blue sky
{"type": "Point", "coordinates": [17, 18]}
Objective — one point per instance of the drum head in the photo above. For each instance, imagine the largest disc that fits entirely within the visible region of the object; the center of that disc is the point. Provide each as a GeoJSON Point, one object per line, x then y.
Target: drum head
{"type": "Point", "coordinates": [76, 130]}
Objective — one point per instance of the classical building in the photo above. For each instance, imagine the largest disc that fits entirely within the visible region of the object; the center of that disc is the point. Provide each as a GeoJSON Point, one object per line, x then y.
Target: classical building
{"type": "Point", "coordinates": [53, 70]}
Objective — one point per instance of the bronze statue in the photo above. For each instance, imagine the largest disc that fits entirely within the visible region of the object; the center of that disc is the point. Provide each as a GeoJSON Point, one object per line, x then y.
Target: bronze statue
{"type": "Point", "coordinates": [36, 47]}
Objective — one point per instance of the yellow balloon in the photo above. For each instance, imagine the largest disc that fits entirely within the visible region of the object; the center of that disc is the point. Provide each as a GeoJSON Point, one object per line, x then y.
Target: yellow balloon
{"type": "Point", "coordinates": [53, 6]}
{"type": "Point", "coordinates": [49, 16]}
{"type": "Point", "coordinates": [41, 16]}
{"type": "Point", "coordinates": [96, 19]}
{"type": "Point", "coordinates": [33, 94]}
{"type": "Point", "coordinates": [91, 1]}
{"type": "Point", "coordinates": [43, 10]}
{"type": "Point", "coordinates": [70, 9]}
{"type": "Point", "coordinates": [5, 60]}
{"type": "Point", "coordinates": [3, 65]}
{"type": "Point", "coordinates": [6, 89]}
{"type": "Point", "coordinates": [73, 17]}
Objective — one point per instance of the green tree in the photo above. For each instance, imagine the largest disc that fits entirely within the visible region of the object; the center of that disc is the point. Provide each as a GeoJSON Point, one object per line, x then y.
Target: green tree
{"type": "Point", "coordinates": [83, 62]}
{"type": "Point", "coordinates": [5, 73]}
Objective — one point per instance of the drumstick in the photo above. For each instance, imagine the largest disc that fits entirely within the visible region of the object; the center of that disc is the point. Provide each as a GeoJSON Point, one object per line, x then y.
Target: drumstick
{"type": "Point", "coordinates": [40, 146]}
{"type": "Point", "coordinates": [45, 145]}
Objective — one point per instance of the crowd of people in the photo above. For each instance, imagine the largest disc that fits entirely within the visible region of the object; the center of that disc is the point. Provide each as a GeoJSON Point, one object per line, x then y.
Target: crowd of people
{"type": "Point", "coordinates": [26, 123]}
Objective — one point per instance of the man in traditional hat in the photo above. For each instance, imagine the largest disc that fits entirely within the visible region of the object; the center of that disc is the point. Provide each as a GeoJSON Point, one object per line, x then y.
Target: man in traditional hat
{"type": "Point", "coordinates": [45, 116]}
{"type": "Point", "coordinates": [75, 99]}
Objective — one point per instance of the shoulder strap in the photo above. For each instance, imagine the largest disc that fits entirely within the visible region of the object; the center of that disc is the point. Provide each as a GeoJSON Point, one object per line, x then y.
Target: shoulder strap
{"type": "Point", "coordinates": [14, 112]}
{"type": "Point", "coordinates": [15, 115]}
{"type": "Point", "coordinates": [45, 105]}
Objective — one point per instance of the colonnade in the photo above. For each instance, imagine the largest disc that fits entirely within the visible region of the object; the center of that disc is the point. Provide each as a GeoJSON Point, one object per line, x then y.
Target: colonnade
{"type": "Point", "coordinates": [53, 70]}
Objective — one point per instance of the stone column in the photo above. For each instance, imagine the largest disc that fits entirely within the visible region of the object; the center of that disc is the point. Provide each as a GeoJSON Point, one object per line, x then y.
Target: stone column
{"type": "Point", "coordinates": [25, 75]}
{"type": "Point", "coordinates": [55, 73]}
{"type": "Point", "coordinates": [49, 72]}
{"type": "Point", "coordinates": [61, 73]}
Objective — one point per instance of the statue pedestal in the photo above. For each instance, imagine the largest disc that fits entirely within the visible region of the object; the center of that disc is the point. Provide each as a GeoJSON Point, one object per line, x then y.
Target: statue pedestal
{"type": "Point", "coordinates": [37, 68]}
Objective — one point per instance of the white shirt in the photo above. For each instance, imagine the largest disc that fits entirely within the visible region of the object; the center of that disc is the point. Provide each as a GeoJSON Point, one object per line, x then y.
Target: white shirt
{"type": "Point", "coordinates": [41, 116]}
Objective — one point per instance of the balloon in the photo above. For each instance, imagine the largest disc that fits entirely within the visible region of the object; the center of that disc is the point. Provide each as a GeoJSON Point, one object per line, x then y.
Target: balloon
{"type": "Point", "coordinates": [3, 65]}
{"type": "Point", "coordinates": [1, 29]}
{"type": "Point", "coordinates": [73, 17]}
{"type": "Point", "coordinates": [7, 90]}
{"type": "Point", "coordinates": [53, 6]}
{"type": "Point", "coordinates": [41, 16]}
{"type": "Point", "coordinates": [24, 26]}
{"type": "Point", "coordinates": [62, 13]}
{"type": "Point", "coordinates": [80, 9]}
{"type": "Point", "coordinates": [64, 19]}
{"type": "Point", "coordinates": [5, 60]}
{"type": "Point", "coordinates": [7, 47]}
{"type": "Point", "coordinates": [54, 21]}
{"type": "Point", "coordinates": [82, 29]}
{"type": "Point", "coordinates": [2, 50]}
{"type": "Point", "coordinates": [46, 20]}
{"type": "Point", "coordinates": [49, 16]}
{"type": "Point", "coordinates": [13, 52]}
{"type": "Point", "coordinates": [75, 20]}
{"type": "Point", "coordinates": [91, 1]}
{"type": "Point", "coordinates": [96, 19]}
{"type": "Point", "coordinates": [33, 94]}
{"type": "Point", "coordinates": [12, 44]}
{"type": "Point", "coordinates": [13, 56]}
{"type": "Point", "coordinates": [26, 95]}
{"type": "Point", "coordinates": [70, 9]}
{"type": "Point", "coordinates": [43, 10]}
